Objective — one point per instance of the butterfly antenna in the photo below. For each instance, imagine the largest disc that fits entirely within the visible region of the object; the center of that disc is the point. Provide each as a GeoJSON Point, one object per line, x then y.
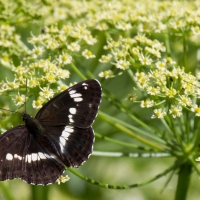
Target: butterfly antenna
{"type": "Point", "coordinates": [26, 94]}
{"type": "Point", "coordinates": [10, 111]}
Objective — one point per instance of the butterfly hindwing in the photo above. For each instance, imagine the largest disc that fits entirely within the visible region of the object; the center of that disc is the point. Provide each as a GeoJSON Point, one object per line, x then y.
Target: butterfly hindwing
{"type": "Point", "coordinates": [42, 166]}
{"type": "Point", "coordinates": [22, 157]}
{"type": "Point", "coordinates": [13, 143]}
{"type": "Point", "coordinates": [73, 144]}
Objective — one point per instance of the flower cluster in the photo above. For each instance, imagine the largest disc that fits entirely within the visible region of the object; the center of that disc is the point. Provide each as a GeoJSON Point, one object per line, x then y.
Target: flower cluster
{"type": "Point", "coordinates": [127, 15]}
{"type": "Point", "coordinates": [58, 46]}
{"type": "Point", "coordinates": [168, 87]}
{"type": "Point", "coordinates": [126, 53]}
{"type": "Point", "coordinates": [10, 44]}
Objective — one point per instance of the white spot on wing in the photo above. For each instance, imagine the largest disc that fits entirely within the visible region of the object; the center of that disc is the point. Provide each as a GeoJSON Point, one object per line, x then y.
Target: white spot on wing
{"type": "Point", "coordinates": [9, 156]}
{"type": "Point", "coordinates": [78, 99]}
{"type": "Point", "coordinates": [70, 118]}
{"type": "Point", "coordinates": [17, 156]}
{"type": "Point", "coordinates": [64, 137]}
{"type": "Point", "coordinates": [28, 158]}
{"type": "Point", "coordinates": [72, 92]}
{"type": "Point", "coordinates": [75, 95]}
{"type": "Point", "coordinates": [66, 132]}
{"type": "Point", "coordinates": [62, 145]}
{"type": "Point", "coordinates": [37, 156]}
{"type": "Point", "coordinates": [84, 84]}
{"type": "Point", "coordinates": [72, 111]}
{"type": "Point", "coordinates": [85, 87]}
{"type": "Point", "coordinates": [43, 156]}
{"type": "Point", "coordinates": [69, 129]}
{"type": "Point", "coordinates": [34, 157]}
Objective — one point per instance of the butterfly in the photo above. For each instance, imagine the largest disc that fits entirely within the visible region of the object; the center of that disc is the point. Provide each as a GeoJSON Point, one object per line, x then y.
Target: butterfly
{"type": "Point", "coordinates": [60, 135]}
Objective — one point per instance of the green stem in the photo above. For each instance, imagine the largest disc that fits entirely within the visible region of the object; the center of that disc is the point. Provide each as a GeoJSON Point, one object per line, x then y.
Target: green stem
{"type": "Point", "coordinates": [131, 155]}
{"type": "Point", "coordinates": [97, 135]}
{"type": "Point", "coordinates": [116, 123]}
{"type": "Point", "coordinates": [6, 193]}
{"type": "Point", "coordinates": [108, 186]}
{"type": "Point", "coordinates": [77, 71]}
{"type": "Point", "coordinates": [125, 109]}
{"type": "Point", "coordinates": [39, 192]}
{"type": "Point", "coordinates": [184, 51]}
{"type": "Point", "coordinates": [183, 181]}
{"type": "Point", "coordinates": [167, 44]}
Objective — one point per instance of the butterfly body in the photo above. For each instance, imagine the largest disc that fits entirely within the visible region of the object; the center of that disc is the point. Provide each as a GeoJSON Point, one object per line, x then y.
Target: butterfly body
{"type": "Point", "coordinates": [60, 135]}
{"type": "Point", "coordinates": [33, 125]}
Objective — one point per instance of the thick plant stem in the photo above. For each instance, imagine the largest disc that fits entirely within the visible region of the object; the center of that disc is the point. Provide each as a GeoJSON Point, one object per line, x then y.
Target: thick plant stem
{"type": "Point", "coordinates": [183, 181]}
{"type": "Point", "coordinates": [39, 192]}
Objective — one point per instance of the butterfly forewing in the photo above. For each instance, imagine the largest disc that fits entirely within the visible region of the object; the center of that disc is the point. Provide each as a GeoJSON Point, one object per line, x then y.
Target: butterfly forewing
{"type": "Point", "coordinates": [77, 106]}
{"type": "Point", "coordinates": [60, 135]}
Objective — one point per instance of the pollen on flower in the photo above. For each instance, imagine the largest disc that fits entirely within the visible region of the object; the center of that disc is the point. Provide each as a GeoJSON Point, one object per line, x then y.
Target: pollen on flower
{"type": "Point", "coordinates": [159, 113]}
{"type": "Point", "coordinates": [185, 100]}
{"type": "Point", "coordinates": [105, 58]}
{"type": "Point", "coordinates": [147, 103]}
{"type": "Point", "coordinates": [50, 77]}
{"type": "Point", "coordinates": [195, 30]}
{"type": "Point", "coordinates": [161, 65]}
{"type": "Point", "coordinates": [19, 99]}
{"type": "Point", "coordinates": [62, 88]}
{"type": "Point", "coordinates": [131, 97]}
{"type": "Point", "coordinates": [33, 82]}
{"type": "Point", "coordinates": [63, 73]}
{"type": "Point", "coordinates": [171, 92]}
{"type": "Point", "coordinates": [89, 39]}
{"type": "Point", "coordinates": [88, 54]}
{"type": "Point", "coordinates": [37, 51]}
{"type": "Point", "coordinates": [170, 61]}
{"type": "Point", "coordinates": [153, 91]}
{"type": "Point", "coordinates": [5, 60]}
{"type": "Point", "coordinates": [52, 44]}
{"type": "Point", "coordinates": [64, 59]}
{"type": "Point", "coordinates": [175, 111]}
{"type": "Point", "coordinates": [122, 64]}
{"type": "Point", "coordinates": [153, 51]}
{"type": "Point", "coordinates": [141, 80]}
{"type": "Point", "coordinates": [62, 179]}
{"type": "Point", "coordinates": [46, 92]}
{"type": "Point", "coordinates": [37, 104]}
{"type": "Point", "coordinates": [74, 46]}
{"type": "Point", "coordinates": [135, 51]}
{"type": "Point", "coordinates": [196, 109]}
{"type": "Point", "coordinates": [123, 26]}
{"type": "Point", "coordinates": [145, 60]}
{"type": "Point", "coordinates": [106, 74]}
{"type": "Point", "coordinates": [12, 85]}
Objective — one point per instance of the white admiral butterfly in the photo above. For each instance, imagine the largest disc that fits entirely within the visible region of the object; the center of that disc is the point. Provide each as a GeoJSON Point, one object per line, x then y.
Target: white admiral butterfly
{"type": "Point", "coordinates": [60, 135]}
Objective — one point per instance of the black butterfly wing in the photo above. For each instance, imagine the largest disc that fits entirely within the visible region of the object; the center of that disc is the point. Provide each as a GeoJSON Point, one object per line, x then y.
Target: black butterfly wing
{"type": "Point", "coordinates": [77, 106]}
{"type": "Point", "coordinates": [21, 156]}
{"type": "Point", "coordinates": [68, 118]}
{"type": "Point", "coordinates": [73, 144]}
{"type": "Point", "coordinates": [38, 151]}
